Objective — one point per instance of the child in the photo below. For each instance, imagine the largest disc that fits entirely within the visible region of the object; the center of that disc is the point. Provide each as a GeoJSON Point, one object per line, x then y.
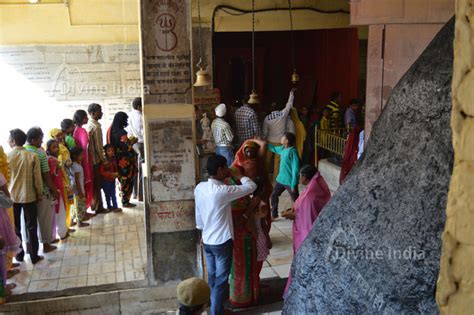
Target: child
{"type": "Point", "coordinates": [288, 175]}
{"type": "Point", "coordinates": [67, 127]}
{"type": "Point", "coordinates": [262, 237]}
{"type": "Point", "coordinates": [79, 215]}
{"type": "Point", "coordinates": [55, 169]}
{"type": "Point", "coordinates": [325, 123]}
{"type": "Point", "coordinates": [65, 162]}
{"type": "Point", "coordinates": [108, 171]}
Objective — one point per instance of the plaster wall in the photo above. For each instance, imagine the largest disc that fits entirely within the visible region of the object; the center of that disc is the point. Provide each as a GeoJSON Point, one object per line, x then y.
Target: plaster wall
{"type": "Point", "coordinates": [392, 49]}
{"type": "Point", "coordinates": [455, 290]}
{"type": "Point", "coordinates": [116, 21]}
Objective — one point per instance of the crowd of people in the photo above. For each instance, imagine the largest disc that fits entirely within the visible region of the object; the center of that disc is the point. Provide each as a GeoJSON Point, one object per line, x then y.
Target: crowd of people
{"type": "Point", "coordinates": [236, 206]}
{"type": "Point", "coordinates": [53, 186]}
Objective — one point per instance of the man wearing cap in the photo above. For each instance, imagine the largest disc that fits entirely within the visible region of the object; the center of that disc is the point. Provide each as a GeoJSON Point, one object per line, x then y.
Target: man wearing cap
{"type": "Point", "coordinates": [193, 295]}
{"type": "Point", "coordinates": [96, 143]}
{"type": "Point", "coordinates": [223, 135]}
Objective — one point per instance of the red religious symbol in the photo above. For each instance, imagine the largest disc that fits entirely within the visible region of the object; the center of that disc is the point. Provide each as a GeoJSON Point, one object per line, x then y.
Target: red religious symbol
{"type": "Point", "coordinates": [166, 39]}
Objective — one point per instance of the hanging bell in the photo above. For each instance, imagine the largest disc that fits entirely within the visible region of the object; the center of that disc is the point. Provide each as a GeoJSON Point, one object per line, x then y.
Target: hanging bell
{"type": "Point", "coordinates": [254, 98]}
{"type": "Point", "coordinates": [295, 78]}
{"type": "Point", "coordinates": [202, 77]}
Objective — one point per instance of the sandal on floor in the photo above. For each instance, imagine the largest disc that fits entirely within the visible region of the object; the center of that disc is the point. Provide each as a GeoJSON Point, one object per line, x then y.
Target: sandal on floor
{"type": "Point", "coordinates": [12, 272]}
{"type": "Point", "coordinates": [10, 286]}
{"type": "Point", "coordinates": [82, 224]}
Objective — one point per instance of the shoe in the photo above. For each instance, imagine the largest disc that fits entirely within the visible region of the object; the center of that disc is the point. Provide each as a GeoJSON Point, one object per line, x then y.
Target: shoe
{"type": "Point", "coordinates": [82, 224]}
{"type": "Point", "coordinates": [20, 256]}
{"type": "Point", "coordinates": [129, 205]}
{"type": "Point", "coordinates": [71, 231]}
{"type": "Point", "coordinates": [36, 259]}
{"type": "Point", "coordinates": [48, 248]}
{"type": "Point", "coordinates": [103, 210]}
{"type": "Point", "coordinates": [274, 214]}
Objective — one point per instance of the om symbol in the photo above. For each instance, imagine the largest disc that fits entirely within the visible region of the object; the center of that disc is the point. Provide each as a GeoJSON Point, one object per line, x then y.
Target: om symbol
{"type": "Point", "coordinates": [166, 38]}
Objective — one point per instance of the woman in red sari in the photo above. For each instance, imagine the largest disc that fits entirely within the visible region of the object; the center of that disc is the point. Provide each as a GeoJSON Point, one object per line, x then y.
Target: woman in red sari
{"type": "Point", "coordinates": [246, 267]}
{"type": "Point", "coordinates": [82, 140]}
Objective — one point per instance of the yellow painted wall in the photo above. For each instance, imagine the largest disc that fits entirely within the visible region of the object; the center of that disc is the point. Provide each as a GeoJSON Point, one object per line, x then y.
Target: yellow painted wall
{"type": "Point", "coordinates": [85, 21]}
{"type": "Point", "coordinates": [455, 290]}
{"type": "Point", "coordinates": [116, 21]}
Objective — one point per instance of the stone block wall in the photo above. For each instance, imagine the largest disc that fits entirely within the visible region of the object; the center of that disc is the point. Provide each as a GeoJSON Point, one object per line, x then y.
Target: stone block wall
{"type": "Point", "coordinates": [43, 84]}
{"type": "Point", "coordinates": [455, 290]}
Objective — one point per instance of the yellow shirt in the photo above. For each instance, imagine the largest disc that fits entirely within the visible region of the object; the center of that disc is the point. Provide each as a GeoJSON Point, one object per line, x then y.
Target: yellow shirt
{"type": "Point", "coordinates": [4, 169]}
{"type": "Point", "coordinates": [26, 183]}
{"type": "Point", "coordinates": [300, 131]}
{"type": "Point", "coordinates": [96, 143]}
{"type": "Point", "coordinates": [325, 124]}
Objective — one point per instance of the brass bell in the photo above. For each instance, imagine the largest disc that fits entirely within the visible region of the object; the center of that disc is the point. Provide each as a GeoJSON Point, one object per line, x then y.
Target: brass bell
{"type": "Point", "coordinates": [295, 78]}
{"type": "Point", "coordinates": [202, 77]}
{"type": "Point", "coordinates": [254, 98]}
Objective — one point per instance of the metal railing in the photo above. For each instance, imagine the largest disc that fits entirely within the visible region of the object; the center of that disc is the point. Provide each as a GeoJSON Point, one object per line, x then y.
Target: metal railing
{"type": "Point", "coordinates": [332, 140]}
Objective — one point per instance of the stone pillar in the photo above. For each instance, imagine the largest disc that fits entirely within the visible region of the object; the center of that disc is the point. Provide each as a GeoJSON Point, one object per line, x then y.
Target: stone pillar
{"type": "Point", "coordinates": [455, 290]}
{"type": "Point", "coordinates": [172, 240]}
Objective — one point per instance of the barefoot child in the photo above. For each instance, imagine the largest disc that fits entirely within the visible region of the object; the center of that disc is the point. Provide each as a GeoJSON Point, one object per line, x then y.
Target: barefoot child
{"type": "Point", "coordinates": [80, 215]}
{"type": "Point", "coordinates": [65, 162]}
{"type": "Point", "coordinates": [108, 171]}
{"type": "Point", "coordinates": [288, 175]}
{"type": "Point", "coordinates": [59, 205]}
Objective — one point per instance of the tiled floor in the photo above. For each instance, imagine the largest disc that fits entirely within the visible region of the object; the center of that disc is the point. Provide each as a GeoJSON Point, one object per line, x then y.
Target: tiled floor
{"type": "Point", "coordinates": [279, 261]}
{"type": "Point", "coordinates": [111, 250]}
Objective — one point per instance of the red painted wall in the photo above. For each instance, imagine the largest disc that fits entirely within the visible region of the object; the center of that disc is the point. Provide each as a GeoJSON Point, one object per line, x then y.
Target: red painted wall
{"type": "Point", "coordinates": [326, 60]}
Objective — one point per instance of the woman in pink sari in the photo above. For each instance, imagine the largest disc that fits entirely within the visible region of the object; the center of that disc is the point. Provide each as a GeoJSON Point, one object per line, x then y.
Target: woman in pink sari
{"type": "Point", "coordinates": [82, 140]}
{"type": "Point", "coordinates": [307, 207]}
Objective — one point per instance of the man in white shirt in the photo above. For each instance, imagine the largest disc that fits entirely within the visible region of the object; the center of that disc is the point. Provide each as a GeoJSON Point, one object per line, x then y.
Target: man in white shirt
{"type": "Point", "coordinates": [214, 218]}
{"type": "Point", "coordinates": [135, 129]}
{"type": "Point", "coordinates": [275, 125]}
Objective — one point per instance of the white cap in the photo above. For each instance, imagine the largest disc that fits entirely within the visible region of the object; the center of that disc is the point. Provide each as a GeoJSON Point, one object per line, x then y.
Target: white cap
{"type": "Point", "coordinates": [221, 110]}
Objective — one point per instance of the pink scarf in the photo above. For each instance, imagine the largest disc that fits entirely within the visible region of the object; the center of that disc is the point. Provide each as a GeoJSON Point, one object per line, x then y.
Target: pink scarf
{"type": "Point", "coordinates": [307, 208]}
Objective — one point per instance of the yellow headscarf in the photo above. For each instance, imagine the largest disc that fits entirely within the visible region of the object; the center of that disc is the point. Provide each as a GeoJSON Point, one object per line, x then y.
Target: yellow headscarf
{"type": "Point", "coordinates": [54, 133]}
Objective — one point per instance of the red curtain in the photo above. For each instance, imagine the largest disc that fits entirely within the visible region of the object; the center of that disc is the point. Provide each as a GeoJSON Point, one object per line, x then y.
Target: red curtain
{"type": "Point", "coordinates": [326, 60]}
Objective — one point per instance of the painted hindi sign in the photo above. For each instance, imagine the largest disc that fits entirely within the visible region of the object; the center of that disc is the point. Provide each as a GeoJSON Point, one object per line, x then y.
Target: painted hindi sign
{"type": "Point", "coordinates": [166, 51]}
{"type": "Point", "coordinates": [172, 171]}
{"type": "Point", "coordinates": [172, 216]}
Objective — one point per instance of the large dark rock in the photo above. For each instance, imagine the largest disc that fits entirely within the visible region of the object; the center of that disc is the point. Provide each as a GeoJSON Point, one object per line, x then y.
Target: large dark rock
{"type": "Point", "coordinates": [376, 246]}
